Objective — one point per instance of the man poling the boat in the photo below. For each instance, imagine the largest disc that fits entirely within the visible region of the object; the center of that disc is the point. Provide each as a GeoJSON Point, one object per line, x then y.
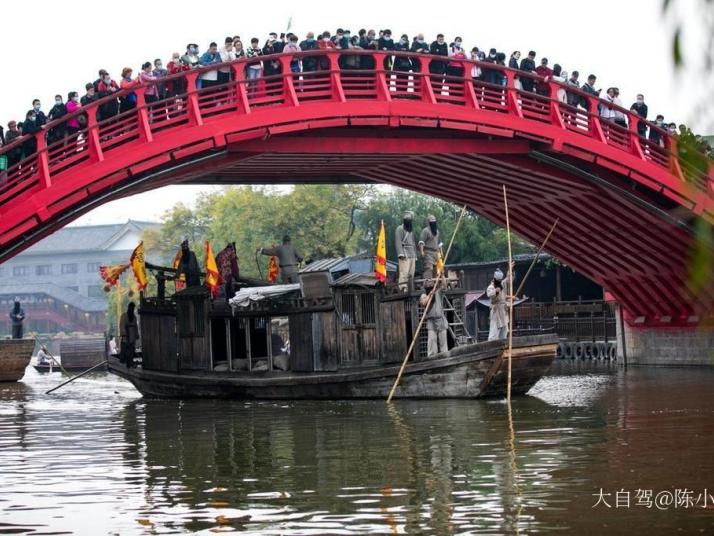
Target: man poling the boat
{"type": "Point", "coordinates": [288, 259]}
{"type": "Point", "coordinates": [497, 292]}
{"type": "Point", "coordinates": [436, 322]}
{"type": "Point", "coordinates": [42, 357]}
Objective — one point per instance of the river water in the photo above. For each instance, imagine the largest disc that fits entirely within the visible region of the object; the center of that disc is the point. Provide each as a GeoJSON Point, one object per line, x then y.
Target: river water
{"type": "Point", "coordinates": [596, 450]}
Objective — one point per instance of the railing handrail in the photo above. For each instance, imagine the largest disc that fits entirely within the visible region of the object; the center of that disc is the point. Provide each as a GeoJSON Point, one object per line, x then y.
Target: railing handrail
{"type": "Point", "coordinates": [319, 53]}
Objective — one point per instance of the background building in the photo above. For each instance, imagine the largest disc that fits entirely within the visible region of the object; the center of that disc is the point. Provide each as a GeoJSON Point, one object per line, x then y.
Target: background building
{"type": "Point", "coordinates": [57, 280]}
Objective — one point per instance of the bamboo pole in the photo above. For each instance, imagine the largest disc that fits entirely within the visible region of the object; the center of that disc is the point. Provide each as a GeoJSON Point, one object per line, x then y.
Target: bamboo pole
{"type": "Point", "coordinates": [77, 376]}
{"type": "Point", "coordinates": [535, 259]}
{"type": "Point", "coordinates": [510, 294]}
{"type": "Point", "coordinates": [430, 297]}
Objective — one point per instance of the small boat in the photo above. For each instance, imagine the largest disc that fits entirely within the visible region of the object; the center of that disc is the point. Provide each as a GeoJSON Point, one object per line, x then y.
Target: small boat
{"type": "Point", "coordinates": [15, 355]}
{"type": "Point", "coordinates": [332, 336]}
{"type": "Point", "coordinates": [52, 367]}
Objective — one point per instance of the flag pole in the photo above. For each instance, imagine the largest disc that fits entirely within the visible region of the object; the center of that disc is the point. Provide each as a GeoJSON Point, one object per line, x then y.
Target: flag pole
{"type": "Point", "coordinates": [430, 297]}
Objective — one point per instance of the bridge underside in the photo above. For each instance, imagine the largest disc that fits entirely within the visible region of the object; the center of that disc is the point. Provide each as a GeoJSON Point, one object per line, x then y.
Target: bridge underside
{"type": "Point", "coordinates": [628, 239]}
{"type": "Point", "coordinates": [635, 246]}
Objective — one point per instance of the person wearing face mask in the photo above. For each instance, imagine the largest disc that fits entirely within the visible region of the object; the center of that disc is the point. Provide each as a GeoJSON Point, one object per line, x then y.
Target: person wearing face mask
{"type": "Point", "coordinates": [271, 47]}
{"type": "Point", "coordinates": [655, 135]}
{"type": "Point", "coordinates": [528, 65]}
{"type": "Point", "coordinates": [419, 46]}
{"type": "Point", "coordinates": [401, 63]}
{"type": "Point", "coordinates": [385, 42]}
{"type": "Point", "coordinates": [147, 77]}
{"type": "Point", "coordinates": [573, 98]}
{"type": "Point", "coordinates": [160, 72]}
{"type": "Point", "coordinates": [368, 41]}
{"type": "Point", "coordinates": [438, 48]}
{"type": "Point", "coordinates": [309, 63]}
{"type": "Point", "coordinates": [640, 108]}
{"type": "Point", "coordinates": [429, 246]}
{"type": "Point", "coordinates": [128, 100]}
{"type": "Point", "coordinates": [292, 47]}
{"type": "Point", "coordinates": [253, 68]}
{"type": "Point", "coordinates": [34, 122]}
{"type": "Point", "coordinates": [73, 124]}
{"type": "Point", "coordinates": [406, 251]}
{"type": "Point", "coordinates": [491, 76]}
{"type": "Point", "coordinates": [325, 44]}
{"type": "Point", "coordinates": [542, 87]}
{"type": "Point", "coordinates": [107, 87]}
{"type": "Point", "coordinates": [191, 57]}
{"type": "Point", "coordinates": [457, 55]}
{"type": "Point", "coordinates": [59, 110]}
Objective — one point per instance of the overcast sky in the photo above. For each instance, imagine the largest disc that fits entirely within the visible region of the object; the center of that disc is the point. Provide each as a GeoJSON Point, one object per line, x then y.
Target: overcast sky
{"type": "Point", "coordinates": [54, 47]}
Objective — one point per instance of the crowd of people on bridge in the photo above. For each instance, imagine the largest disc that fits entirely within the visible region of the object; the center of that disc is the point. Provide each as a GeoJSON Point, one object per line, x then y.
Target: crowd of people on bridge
{"type": "Point", "coordinates": [232, 48]}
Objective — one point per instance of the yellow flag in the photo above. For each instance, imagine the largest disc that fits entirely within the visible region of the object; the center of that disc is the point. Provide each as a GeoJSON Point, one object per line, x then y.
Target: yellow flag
{"type": "Point", "coordinates": [213, 278]}
{"type": "Point", "coordinates": [439, 263]}
{"type": "Point", "coordinates": [138, 265]}
{"type": "Point", "coordinates": [380, 260]}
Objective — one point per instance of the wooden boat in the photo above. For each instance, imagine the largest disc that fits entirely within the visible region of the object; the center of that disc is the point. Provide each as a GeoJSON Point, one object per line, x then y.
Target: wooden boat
{"type": "Point", "coordinates": [15, 355]}
{"type": "Point", "coordinates": [346, 339]}
{"type": "Point", "coordinates": [472, 371]}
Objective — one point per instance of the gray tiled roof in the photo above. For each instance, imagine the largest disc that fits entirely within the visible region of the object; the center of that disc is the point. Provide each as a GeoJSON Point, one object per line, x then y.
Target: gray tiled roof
{"type": "Point", "coordinates": [523, 257]}
{"type": "Point", "coordinates": [85, 238]}
{"type": "Point", "coordinates": [65, 295]}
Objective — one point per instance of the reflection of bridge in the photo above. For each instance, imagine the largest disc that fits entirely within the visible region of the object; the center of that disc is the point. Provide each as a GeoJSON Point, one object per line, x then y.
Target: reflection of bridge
{"type": "Point", "coordinates": [627, 206]}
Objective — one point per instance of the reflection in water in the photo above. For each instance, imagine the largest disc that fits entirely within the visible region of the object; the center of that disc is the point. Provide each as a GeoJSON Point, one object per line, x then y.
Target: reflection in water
{"type": "Point", "coordinates": [96, 459]}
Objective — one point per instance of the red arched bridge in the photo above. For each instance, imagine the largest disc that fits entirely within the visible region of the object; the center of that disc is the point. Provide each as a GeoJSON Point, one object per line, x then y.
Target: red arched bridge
{"type": "Point", "coordinates": [627, 205]}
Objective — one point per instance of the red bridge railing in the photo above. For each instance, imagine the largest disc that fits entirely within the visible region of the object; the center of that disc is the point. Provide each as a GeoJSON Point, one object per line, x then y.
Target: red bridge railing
{"type": "Point", "coordinates": [336, 82]}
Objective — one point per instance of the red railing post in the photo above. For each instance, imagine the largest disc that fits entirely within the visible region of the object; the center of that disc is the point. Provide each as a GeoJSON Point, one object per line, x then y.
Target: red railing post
{"type": "Point", "coordinates": [512, 94]}
{"type": "Point", "coordinates": [43, 160]}
{"type": "Point", "coordinates": [290, 96]}
{"type": "Point", "coordinates": [469, 90]}
{"type": "Point", "coordinates": [194, 111]}
{"type": "Point", "coordinates": [674, 165]}
{"type": "Point", "coordinates": [381, 77]}
{"type": "Point", "coordinates": [633, 121]}
{"type": "Point", "coordinates": [427, 91]}
{"type": "Point", "coordinates": [142, 115]}
{"type": "Point", "coordinates": [596, 130]}
{"type": "Point", "coordinates": [338, 92]}
{"type": "Point", "coordinates": [95, 147]}
{"type": "Point", "coordinates": [242, 103]}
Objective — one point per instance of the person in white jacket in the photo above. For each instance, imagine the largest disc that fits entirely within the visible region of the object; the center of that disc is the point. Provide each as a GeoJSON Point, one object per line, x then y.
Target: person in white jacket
{"type": "Point", "coordinates": [228, 53]}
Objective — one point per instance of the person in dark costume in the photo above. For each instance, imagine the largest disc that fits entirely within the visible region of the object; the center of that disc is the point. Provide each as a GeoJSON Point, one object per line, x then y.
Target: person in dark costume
{"type": "Point", "coordinates": [17, 316]}
{"type": "Point", "coordinates": [189, 266]}
{"type": "Point", "coordinates": [129, 335]}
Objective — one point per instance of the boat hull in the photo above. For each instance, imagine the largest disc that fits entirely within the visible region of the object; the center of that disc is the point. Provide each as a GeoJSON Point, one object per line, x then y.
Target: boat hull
{"type": "Point", "coordinates": [476, 371]}
{"type": "Point", "coordinates": [15, 355]}
{"type": "Point", "coordinates": [69, 368]}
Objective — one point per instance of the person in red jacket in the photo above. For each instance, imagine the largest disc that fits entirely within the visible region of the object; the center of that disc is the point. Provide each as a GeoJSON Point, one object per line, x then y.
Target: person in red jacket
{"type": "Point", "coordinates": [543, 70]}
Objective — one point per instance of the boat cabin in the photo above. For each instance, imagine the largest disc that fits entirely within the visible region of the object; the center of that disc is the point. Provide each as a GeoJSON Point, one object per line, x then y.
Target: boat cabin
{"type": "Point", "coordinates": [327, 322]}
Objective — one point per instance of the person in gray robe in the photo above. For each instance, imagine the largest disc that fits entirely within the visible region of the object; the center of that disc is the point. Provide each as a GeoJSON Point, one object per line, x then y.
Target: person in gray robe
{"type": "Point", "coordinates": [406, 251]}
{"type": "Point", "coordinates": [497, 291]}
{"type": "Point", "coordinates": [288, 260]}
{"type": "Point", "coordinates": [429, 245]}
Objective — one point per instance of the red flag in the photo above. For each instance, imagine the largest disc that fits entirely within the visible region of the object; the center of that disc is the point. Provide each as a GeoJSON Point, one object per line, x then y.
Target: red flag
{"type": "Point", "coordinates": [273, 269]}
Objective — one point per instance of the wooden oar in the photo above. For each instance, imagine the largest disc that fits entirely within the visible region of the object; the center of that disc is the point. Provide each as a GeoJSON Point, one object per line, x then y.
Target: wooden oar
{"type": "Point", "coordinates": [77, 376]}
{"type": "Point", "coordinates": [510, 294]}
{"type": "Point", "coordinates": [430, 297]}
